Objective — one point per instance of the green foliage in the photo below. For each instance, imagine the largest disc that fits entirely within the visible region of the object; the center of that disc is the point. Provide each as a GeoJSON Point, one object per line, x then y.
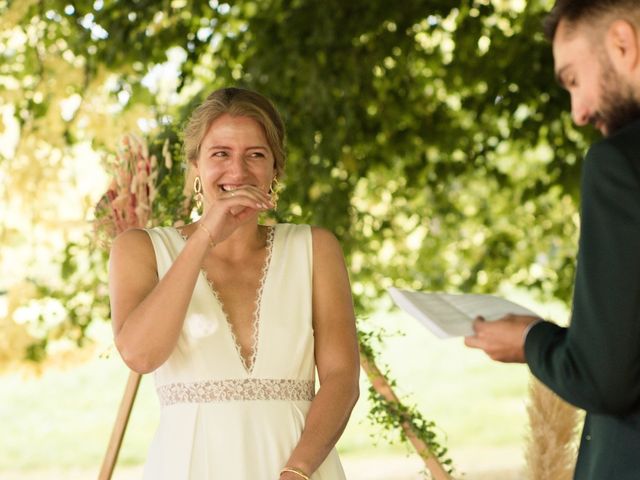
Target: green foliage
{"type": "Point", "coordinates": [169, 207]}
{"type": "Point", "coordinates": [81, 290]}
{"type": "Point", "coordinates": [429, 136]}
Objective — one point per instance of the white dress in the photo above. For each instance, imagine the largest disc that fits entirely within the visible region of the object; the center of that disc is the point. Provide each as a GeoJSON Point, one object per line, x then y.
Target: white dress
{"type": "Point", "coordinates": [222, 419]}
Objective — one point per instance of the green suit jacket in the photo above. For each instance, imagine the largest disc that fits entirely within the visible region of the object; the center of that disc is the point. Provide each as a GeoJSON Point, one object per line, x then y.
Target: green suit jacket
{"type": "Point", "coordinates": [595, 362]}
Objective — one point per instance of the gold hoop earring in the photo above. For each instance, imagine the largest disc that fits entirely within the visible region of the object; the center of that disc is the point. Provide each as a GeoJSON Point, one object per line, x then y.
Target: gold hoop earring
{"type": "Point", "coordinates": [197, 188]}
{"type": "Point", "coordinates": [274, 191]}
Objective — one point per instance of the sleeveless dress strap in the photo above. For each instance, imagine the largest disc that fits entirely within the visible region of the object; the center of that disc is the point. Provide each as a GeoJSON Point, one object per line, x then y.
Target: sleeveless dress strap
{"type": "Point", "coordinates": [166, 247]}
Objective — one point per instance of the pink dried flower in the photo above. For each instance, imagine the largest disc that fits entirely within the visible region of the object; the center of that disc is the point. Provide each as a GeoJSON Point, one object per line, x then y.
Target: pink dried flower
{"type": "Point", "coordinates": [129, 199]}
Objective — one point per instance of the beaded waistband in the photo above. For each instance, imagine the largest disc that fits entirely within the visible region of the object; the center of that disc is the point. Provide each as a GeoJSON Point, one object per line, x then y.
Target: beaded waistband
{"type": "Point", "coordinates": [236, 390]}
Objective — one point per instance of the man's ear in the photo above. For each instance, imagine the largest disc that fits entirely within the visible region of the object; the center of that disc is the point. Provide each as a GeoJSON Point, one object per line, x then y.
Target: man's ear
{"type": "Point", "coordinates": [621, 43]}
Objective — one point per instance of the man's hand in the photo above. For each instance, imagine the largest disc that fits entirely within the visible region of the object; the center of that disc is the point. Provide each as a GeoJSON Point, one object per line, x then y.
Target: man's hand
{"type": "Point", "coordinates": [503, 339]}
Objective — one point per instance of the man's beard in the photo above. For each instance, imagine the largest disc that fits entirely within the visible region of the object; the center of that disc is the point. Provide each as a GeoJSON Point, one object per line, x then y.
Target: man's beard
{"type": "Point", "coordinates": [619, 106]}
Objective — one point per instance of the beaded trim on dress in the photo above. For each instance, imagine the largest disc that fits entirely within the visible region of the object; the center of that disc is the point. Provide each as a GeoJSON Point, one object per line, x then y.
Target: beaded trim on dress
{"type": "Point", "coordinates": [235, 390]}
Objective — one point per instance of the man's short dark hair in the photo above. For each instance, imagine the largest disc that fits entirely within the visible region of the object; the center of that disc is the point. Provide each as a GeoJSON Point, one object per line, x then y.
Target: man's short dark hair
{"type": "Point", "coordinates": [576, 10]}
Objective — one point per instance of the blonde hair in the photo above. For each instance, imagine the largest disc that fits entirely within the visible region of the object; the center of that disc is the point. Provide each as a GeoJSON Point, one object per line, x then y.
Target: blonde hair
{"type": "Point", "coordinates": [237, 102]}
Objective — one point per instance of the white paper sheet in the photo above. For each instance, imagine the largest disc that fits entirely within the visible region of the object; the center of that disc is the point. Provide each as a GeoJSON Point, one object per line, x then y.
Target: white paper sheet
{"type": "Point", "coordinates": [451, 315]}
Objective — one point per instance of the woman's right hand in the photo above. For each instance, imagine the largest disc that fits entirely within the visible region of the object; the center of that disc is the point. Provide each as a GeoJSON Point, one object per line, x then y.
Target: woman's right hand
{"type": "Point", "coordinates": [230, 209]}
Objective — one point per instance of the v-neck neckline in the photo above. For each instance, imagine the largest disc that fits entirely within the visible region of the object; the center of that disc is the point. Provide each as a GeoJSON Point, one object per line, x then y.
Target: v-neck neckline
{"type": "Point", "coordinates": [250, 365]}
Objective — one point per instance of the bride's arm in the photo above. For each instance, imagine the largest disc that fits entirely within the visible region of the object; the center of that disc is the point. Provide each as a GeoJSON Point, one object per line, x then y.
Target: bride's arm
{"type": "Point", "coordinates": [336, 354]}
{"type": "Point", "coordinates": [147, 314]}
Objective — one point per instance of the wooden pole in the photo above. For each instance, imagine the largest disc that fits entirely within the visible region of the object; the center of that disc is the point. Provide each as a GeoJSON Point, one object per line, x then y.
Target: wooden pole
{"type": "Point", "coordinates": [381, 385]}
{"type": "Point", "coordinates": [120, 426]}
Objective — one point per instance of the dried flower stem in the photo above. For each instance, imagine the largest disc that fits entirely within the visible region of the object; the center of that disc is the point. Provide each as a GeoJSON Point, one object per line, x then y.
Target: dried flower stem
{"type": "Point", "coordinates": [551, 446]}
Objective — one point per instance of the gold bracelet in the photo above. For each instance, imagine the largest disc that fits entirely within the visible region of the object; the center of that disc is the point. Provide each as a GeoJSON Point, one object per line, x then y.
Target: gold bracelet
{"type": "Point", "coordinates": [208, 234]}
{"type": "Point", "coordinates": [297, 471]}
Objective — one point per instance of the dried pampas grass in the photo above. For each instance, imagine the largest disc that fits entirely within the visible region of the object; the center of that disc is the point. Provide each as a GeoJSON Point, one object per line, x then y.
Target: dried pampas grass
{"type": "Point", "coordinates": [552, 443]}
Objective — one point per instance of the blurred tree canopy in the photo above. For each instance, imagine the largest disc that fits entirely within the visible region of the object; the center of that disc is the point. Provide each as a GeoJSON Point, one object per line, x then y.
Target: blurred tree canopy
{"type": "Point", "coordinates": [429, 135]}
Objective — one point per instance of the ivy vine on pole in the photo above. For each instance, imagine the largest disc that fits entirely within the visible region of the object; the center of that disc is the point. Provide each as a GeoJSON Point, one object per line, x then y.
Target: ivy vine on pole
{"type": "Point", "coordinates": [389, 412]}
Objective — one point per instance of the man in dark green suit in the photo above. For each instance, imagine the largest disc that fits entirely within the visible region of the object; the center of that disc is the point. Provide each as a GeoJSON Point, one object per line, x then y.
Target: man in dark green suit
{"type": "Point", "coordinates": [595, 362]}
